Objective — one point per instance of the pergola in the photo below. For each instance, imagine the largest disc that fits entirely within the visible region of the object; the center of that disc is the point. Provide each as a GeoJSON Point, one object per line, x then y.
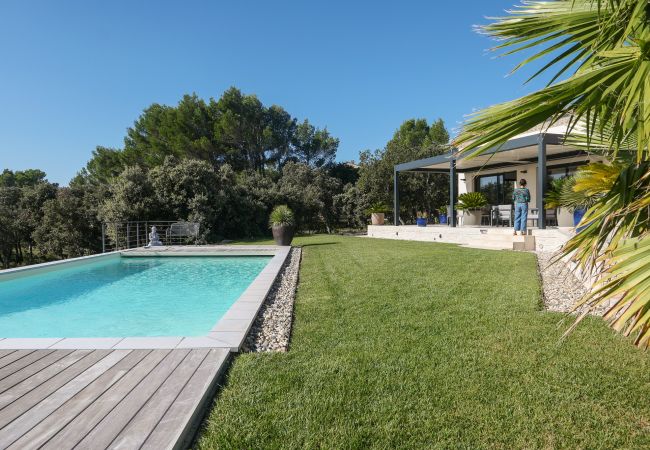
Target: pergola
{"type": "Point", "coordinates": [535, 148]}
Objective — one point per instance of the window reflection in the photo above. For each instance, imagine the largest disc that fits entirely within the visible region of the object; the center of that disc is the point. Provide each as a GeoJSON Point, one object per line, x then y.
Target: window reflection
{"type": "Point", "coordinates": [497, 188]}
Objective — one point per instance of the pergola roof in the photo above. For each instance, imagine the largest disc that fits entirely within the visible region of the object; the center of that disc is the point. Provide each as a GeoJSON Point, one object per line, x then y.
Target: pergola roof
{"type": "Point", "coordinates": [520, 150]}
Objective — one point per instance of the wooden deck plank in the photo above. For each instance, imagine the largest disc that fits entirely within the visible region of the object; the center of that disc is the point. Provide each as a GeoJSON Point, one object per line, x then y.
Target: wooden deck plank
{"type": "Point", "coordinates": [78, 404]}
{"type": "Point", "coordinates": [104, 398]}
{"type": "Point", "coordinates": [4, 353]}
{"type": "Point", "coordinates": [26, 360]}
{"type": "Point", "coordinates": [27, 401]}
{"type": "Point", "coordinates": [137, 431]}
{"type": "Point", "coordinates": [13, 356]}
{"type": "Point", "coordinates": [19, 389]}
{"type": "Point", "coordinates": [78, 428]}
{"type": "Point", "coordinates": [104, 433]}
{"type": "Point", "coordinates": [42, 401]}
{"type": "Point", "coordinates": [32, 369]}
{"type": "Point", "coordinates": [181, 417]}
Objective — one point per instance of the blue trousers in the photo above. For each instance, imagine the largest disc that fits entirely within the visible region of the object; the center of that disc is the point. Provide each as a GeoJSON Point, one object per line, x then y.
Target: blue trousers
{"type": "Point", "coordinates": [521, 216]}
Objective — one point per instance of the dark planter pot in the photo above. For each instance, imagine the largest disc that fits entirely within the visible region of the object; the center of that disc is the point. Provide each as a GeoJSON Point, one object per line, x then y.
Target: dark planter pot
{"type": "Point", "coordinates": [577, 217]}
{"type": "Point", "coordinates": [421, 222]}
{"type": "Point", "coordinates": [282, 234]}
{"type": "Point", "coordinates": [442, 218]}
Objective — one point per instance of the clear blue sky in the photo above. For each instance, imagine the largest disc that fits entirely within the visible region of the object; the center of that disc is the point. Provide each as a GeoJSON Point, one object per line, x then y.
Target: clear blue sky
{"type": "Point", "coordinates": [76, 74]}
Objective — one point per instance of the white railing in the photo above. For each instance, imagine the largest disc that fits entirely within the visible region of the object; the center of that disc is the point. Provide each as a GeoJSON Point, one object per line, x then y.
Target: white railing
{"type": "Point", "coordinates": [134, 234]}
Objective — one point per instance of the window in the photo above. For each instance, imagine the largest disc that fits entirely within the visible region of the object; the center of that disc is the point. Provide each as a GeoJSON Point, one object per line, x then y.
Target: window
{"type": "Point", "coordinates": [557, 172]}
{"type": "Point", "coordinates": [497, 188]}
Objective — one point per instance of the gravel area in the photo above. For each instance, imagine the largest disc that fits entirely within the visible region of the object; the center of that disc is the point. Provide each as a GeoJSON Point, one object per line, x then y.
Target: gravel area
{"type": "Point", "coordinates": [272, 327]}
{"type": "Point", "coordinates": [562, 289]}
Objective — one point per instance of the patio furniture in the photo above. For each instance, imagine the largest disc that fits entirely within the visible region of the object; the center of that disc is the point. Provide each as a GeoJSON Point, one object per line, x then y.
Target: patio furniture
{"type": "Point", "coordinates": [494, 211]}
{"type": "Point", "coordinates": [486, 215]}
{"type": "Point", "coordinates": [551, 217]}
{"type": "Point", "coordinates": [504, 214]}
{"type": "Point", "coordinates": [533, 215]}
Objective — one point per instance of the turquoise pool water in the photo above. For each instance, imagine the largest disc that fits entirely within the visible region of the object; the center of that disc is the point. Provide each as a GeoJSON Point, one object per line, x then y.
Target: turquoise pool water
{"type": "Point", "coordinates": [119, 297]}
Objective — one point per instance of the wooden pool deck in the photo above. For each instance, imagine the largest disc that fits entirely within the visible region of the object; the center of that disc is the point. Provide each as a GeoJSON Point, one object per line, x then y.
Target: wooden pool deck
{"type": "Point", "coordinates": [95, 399]}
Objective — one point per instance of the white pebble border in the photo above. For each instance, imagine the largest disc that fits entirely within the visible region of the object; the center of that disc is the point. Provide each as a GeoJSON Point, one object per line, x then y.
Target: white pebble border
{"type": "Point", "coordinates": [271, 330]}
{"type": "Point", "coordinates": [561, 288]}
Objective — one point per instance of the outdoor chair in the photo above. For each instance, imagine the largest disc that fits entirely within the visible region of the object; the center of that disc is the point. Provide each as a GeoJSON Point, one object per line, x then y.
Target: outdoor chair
{"type": "Point", "coordinates": [504, 214]}
{"type": "Point", "coordinates": [551, 217]}
{"type": "Point", "coordinates": [180, 232]}
{"type": "Point", "coordinates": [533, 215]}
{"type": "Point", "coordinates": [494, 218]}
{"type": "Point", "coordinates": [486, 215]}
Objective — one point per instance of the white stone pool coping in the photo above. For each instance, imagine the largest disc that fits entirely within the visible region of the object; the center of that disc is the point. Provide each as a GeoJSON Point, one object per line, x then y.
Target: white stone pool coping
{"type": "Point", "coordinates": [228, 332]}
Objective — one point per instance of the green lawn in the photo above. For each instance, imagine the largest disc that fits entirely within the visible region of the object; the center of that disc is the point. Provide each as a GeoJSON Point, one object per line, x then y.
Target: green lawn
{"type": "Point", "coordinates": [417, 345]}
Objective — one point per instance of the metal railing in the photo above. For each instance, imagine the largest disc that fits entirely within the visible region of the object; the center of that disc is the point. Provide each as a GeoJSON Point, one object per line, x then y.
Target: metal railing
{"type": "Point", "coordinates": [134, 234]}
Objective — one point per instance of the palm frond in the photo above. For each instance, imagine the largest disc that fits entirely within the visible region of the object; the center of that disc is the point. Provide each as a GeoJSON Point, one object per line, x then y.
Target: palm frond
{"type": "Point", "coordinates": [602, 49]}
{"type": "Point", "coordinates": [609, 41]}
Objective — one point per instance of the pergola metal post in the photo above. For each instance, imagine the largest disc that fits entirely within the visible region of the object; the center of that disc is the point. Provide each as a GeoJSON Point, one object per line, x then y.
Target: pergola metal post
{"type": "Point", "coordinates": [396, 197]}
{"type": "Point", "coordinates": [541, 181]}
{"type": "Point", "coordinates": [453, 192]}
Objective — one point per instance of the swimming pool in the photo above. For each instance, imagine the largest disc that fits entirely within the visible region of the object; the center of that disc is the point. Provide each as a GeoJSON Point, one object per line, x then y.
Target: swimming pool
{"type": "Point", "coordinates": [122, 296]}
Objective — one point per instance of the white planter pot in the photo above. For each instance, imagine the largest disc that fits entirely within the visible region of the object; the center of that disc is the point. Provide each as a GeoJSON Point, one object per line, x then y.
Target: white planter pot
{"type": "Point", "coordinates": [564, 218]}
{"type": "Point", "coordinates": [472, 217]}
{"type": "Point", "coordinates": [377, 218]}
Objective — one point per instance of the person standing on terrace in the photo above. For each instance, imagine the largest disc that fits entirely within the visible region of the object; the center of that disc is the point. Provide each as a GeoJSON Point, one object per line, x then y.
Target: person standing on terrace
{"type": "Point", "coordinates": [521, 197]}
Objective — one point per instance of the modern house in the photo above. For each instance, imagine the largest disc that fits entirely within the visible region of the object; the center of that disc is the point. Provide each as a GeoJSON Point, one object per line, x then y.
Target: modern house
{"type": "Point", "coordinates": [539, 156]}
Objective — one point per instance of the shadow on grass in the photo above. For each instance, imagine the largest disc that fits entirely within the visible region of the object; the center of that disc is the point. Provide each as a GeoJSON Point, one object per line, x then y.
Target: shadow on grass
{"type": "Point", "coordinates": [317, 243]}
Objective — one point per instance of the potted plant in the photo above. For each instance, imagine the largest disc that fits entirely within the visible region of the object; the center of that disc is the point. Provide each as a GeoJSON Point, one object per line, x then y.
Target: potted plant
{"type": "Point", "coordinates": [553, 199]}
{"type": "Point", "coordinates": [421, 219]}
{"type": "Point", "coordinates": [377, 213]}
{"type": "Point", "coordinates": [282, 224]}
{"type": "Point", "coordinates": [562, 195]}
{"type": "Point", "coordinates": [471, 203]}
{"type": "Point", "coordinates": [442, 214]}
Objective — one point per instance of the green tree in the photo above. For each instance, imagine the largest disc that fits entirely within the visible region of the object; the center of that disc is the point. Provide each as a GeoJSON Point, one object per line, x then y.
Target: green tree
{"type": "Point", "coordinates": [415, 139]}
{"type": "Point", "coordinates": [347, 172]}
{"type": "Point", "coordinates": [21, 178]}
{"type": "Point", "coordinates": [313, 146]}
{"type": "Point", "coordinates": [237, 129]}
{"type": "Point", "coordinates": [241, 130]}
{"type": "Point", "coordinates": [351, 206]}
{"type": "Point", "coordinates": [184, 131]}
{"type": "Point", "coordinates": [310, 193]}
{"type": "Point", "coordinates": [186, 190]}
{"type": "Point", "coordinates": [599, 67]}
{"type": "Point", "coordinates": [65, 230]}
{"type": "Point", "coordinates": [30, 213]}
{"type": "Point", "coordinates": [131, 197]}
{"type": "Point", "coordinates": [9, 233]}
{"type": "Point", "coordinates": [105, 164]}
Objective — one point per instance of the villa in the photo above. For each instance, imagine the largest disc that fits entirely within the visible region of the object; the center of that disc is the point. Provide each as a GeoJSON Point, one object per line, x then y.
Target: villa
{"type": "Point", "coordinates": [538, 156]}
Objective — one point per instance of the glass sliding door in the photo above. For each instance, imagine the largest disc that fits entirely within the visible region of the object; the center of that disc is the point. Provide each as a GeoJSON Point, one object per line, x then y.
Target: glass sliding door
{"type": "Point", "coordinates": [497, 188]}
{"type": "Point", "coordinates": [509, 180]}
{"type": "Point", "coordinates": [489, 186]}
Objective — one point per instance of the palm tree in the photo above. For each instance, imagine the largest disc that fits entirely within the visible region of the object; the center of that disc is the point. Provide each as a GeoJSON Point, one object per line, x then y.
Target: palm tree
{"type": "Point", "coordinates": [598, 54]}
